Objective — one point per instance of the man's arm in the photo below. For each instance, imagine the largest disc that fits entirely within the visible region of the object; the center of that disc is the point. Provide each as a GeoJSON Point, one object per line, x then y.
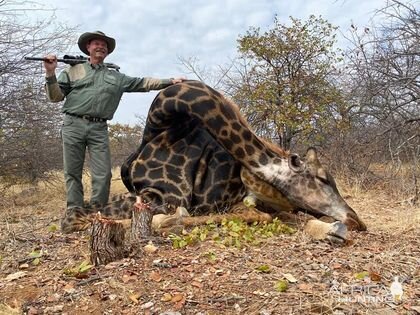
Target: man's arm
{"type": "Point", "coordinates": [131, 84]}
{"type": "Point", "coordinates": [52, 87]}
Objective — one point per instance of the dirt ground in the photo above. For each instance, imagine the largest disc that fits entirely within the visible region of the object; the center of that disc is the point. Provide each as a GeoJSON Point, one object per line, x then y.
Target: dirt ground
{"type": "Point", "coordinates": [42, 270]}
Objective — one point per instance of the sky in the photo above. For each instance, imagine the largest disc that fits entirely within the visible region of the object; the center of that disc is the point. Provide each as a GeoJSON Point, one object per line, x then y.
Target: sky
{"type": "Point", "coordinates": [152, 35]}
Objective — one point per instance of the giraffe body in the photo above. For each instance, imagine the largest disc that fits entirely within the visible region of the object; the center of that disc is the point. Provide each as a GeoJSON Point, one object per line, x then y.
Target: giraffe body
{"type": "Point", "coordinates": [194, 146]}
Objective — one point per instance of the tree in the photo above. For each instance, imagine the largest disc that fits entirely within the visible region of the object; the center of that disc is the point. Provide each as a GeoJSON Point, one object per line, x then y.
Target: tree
{"type": "Point", "coordinates": [382, 88]}
{"type": "Point", "coordinates": [124, 140]}
{"type": "Point", "coordinates": [284, 78]}
{"type": "Point", "coordinates": [29, 135]}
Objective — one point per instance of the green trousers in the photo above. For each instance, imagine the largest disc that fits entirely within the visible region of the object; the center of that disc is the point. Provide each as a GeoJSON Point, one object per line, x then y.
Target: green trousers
{"type": "Point", "coordinates": [78, 135]}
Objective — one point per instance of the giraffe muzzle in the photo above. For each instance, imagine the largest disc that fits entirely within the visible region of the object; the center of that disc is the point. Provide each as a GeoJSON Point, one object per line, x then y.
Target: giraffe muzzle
{"type": "Point", "coordinates": [354, 223]}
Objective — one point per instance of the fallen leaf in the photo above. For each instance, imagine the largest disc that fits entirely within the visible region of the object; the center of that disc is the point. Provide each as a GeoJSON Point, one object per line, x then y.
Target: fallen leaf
{"type": "Point", "coordinates": [166, 297]}
{"type": "Point", "coordinates": [336, 266]}
{"type": "Point", "coordinates": [263, 269]}
{"type": "Point", "coordinates": [196, 284]}
{"type": "Point", "coordinates": [177, 297]}
{"type": "Point", "coordinates": [128, 277]}
{"type": "Point", "coordinates": [147, 305]}
{"type": "Point", "coordinates": [134, 297]}
{"type": "Point", "coordinates": [305, 287]}
{"type": "Point", "coordinates": [289, 277]}
{"type": "Point", "coordinates": [16, 275]}
{"type": "Point", "coordinates": [374, 276]}
{"type": "Point", "coordinates": [180, 301]}
{"type": "Point", "coordinates": [155, 276]}
{"type": "Point", "coordinates": [150, 248]}
{"type": "Point", "coordinates": [361, 275]}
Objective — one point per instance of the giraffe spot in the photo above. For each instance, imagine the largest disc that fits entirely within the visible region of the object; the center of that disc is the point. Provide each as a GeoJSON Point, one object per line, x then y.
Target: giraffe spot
{"type": "Point", "coordinates": [254, 164]}
{"type": "Point", "coordinates": [204, 107]}
{"type": "Point", "coordinates": [170, 169]}
{"type": "Point", "coordinates": [146, 153]}
{"type": "Point", "coordinates": [263, 159]}
{"type": "Point", "coordinates": [228, 144]}
{"type": "Point", "coordinates": [249, 149]}
{"type": "Point", "coordinates": [172, 90]}
{"type": "Point", "coordinates": [153, 163]}
{"type": "Point", "coordinates": [216, 124]}
{"type": "Point", "coordinates": [221, 171]}
{"type": "Point", "coordinates": [257, 144]}
{"type": "Point", "coordinates": [177, 160]}
{"type": "Point", "coordinates": [139, 170]}
{"type": "Point", "coordinates": [192, 95]}
{"type": "Point", "coordinates": [197, 84]}
{"type": "Point", "coordinates": [224, 133]}
{"type": "Point", "coordinates": [240, 153]}
{"type": "Point", "coordinates": [236, 126]}
{"type": "Point", "coordinates": [162, 154]}
{"type": "Point", "coordinates": [215, 193]}
{"type": "Point", "coordinates": [156, 173]}
{"type": "Point", "coordinates": [235, 138]}
{"type": "Point", "coordinates": [168, 188]}
{"type": "Point", "coordinates": [247, 135]}
{"type": "Point", "coordinates": [228, 112]}
{"type": "Point", "coordinates": [169, 105]}
{"type": "Point", "coordinates": [174, 176]}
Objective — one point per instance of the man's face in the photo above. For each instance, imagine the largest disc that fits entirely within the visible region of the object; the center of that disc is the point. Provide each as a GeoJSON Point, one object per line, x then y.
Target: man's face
{"type": "Point", "coordinates": [97, 49]}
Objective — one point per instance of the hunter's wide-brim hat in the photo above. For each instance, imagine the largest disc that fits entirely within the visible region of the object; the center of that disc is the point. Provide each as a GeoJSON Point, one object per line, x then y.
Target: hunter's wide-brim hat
{"type": "Point", "coordinates": [85, 38]}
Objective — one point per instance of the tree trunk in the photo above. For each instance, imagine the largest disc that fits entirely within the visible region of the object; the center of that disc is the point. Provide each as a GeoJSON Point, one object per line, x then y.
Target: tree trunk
{"type": "Point", "coordinates": [141, 221]}
{"type": "Point", "coordinates": [107, 241]}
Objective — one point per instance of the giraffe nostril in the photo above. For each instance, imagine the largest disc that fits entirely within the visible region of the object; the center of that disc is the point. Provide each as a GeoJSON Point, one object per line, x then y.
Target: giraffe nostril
{"type": "Point", "coordinates": [354, 223]}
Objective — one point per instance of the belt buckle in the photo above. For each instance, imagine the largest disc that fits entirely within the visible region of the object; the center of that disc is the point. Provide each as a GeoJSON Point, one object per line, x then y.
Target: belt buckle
{"type": "Point", "coordinates": [87, 117]}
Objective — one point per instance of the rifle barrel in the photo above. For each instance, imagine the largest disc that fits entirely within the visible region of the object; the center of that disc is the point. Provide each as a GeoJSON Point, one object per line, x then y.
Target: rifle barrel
{"type": "Point", "coordinates": [72, 61]}
{"type": "Point", "coordinates": [65, 60]}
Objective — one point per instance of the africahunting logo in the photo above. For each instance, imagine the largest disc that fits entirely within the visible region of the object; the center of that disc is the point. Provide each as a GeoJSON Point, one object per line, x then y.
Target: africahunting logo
{"type": "Point", "coordinates": [367, 293]}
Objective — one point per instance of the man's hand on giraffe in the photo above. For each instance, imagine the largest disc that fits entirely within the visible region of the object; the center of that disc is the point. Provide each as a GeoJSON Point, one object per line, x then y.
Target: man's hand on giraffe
{"type": "Point", "coordinates": [178, 80]}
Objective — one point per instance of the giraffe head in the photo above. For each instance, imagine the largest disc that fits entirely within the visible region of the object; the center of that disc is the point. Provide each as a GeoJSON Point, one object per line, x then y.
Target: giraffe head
{"type": "Point", "coordinates": [311, 188]}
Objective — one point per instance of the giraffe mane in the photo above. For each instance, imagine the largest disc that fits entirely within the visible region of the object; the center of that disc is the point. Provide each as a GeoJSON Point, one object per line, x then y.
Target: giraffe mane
{"type": "Point", "coordinates": [267, 143]}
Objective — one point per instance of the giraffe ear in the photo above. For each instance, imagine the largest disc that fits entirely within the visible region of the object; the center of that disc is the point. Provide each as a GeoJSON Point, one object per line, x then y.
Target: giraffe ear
{"type": "Point", "coordinates": [295, 163]}
{"type": "Point", "coordinates": [311, 155]}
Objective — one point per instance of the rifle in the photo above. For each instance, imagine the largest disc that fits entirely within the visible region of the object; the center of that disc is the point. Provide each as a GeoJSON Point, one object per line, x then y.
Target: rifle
{"type": "Point", "coordinates": [74, 60]}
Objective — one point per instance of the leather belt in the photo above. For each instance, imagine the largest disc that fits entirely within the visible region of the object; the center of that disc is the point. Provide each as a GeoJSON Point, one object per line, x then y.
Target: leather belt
{"type": "Point", "coordinates": [87, 117]}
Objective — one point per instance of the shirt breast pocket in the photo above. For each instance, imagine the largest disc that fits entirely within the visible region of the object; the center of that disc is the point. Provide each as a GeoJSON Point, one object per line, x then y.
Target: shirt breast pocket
{"type": "Point", "coordinates": [81, 83]}
{"type": "Point", "coordinates": [111, 84]}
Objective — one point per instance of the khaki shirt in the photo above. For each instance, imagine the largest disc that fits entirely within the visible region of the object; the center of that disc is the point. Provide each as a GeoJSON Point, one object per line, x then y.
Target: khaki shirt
{"type": "Point", "coordinates": [95, 90]}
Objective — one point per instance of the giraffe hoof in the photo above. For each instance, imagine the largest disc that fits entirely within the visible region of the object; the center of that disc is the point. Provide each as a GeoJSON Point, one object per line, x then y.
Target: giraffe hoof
{"type": "Point", "coordinates": [337, 233]}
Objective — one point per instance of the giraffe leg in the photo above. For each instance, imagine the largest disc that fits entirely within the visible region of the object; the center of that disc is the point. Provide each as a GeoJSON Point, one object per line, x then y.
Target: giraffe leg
{"type": "Point", "coordinates": [238, 211]}
{"type": "Point", "coordinates": [181, 219]}
{"type": "Point", "coordinates": [335, 232]}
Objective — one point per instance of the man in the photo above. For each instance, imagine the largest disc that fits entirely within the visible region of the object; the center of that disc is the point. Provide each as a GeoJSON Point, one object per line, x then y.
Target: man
{"type": "Point", "coordinates": [92, 93]}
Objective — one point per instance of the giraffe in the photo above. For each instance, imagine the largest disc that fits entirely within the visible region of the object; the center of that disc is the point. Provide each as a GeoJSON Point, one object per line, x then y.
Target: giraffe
{"type": "Point", "coordinates": [195, 145]}
{"type": "Point", "coordinates": [198, 153]}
